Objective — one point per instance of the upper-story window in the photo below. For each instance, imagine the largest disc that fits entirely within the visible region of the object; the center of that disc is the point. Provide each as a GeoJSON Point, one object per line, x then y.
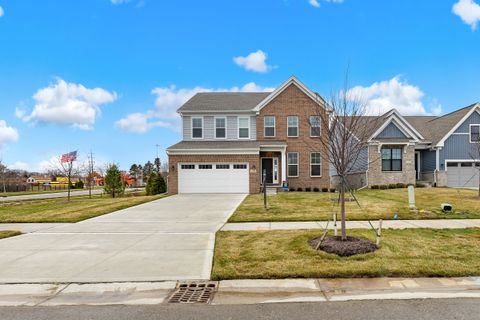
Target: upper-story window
{"type": "Point", "coordinates": [243, 127]}
{"type": "Point", "coordinates": [197, 128]}
{"type": "Point", "coordinates": [315, 126]}
{"type": "Point", "coordinates": [392, 158]}
{"type": "Point", "coordinates": [269, 124]}
{"type": "Point", "coordinates": [475, 133]}
{"type": "Point", "coordinates": [220, 128]}
{"type": "Point", "coordinates": [292, 126]}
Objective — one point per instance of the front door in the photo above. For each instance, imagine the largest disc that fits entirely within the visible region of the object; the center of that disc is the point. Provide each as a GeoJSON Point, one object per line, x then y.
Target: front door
{"type": "Point", "coordinates": [267, 167]}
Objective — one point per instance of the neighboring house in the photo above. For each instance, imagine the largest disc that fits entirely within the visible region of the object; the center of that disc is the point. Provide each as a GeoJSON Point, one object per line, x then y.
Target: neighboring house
{"type": "Point", "coordinates": [39, 180]}
{"type": "Point", "coordinates": [230, 138]}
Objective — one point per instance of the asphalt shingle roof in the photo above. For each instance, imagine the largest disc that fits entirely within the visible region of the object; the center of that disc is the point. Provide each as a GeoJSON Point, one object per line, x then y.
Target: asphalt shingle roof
{"type": "Point", "coordinates": [223, 101]}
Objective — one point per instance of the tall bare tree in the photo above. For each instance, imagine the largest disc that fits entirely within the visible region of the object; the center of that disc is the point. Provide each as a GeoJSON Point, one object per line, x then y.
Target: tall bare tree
{"type": "Point", "coordinates": [345, 122]}
{"type": "Point", "coordinates": [3, 175]}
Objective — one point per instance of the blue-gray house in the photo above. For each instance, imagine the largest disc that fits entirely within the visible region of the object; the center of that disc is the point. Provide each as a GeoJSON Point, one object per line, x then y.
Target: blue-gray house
{"type": "Point", "coordinates": [439, 150]}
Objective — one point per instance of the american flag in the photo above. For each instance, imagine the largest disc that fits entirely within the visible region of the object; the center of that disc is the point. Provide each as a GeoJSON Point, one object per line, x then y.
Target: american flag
{"type": "Point", "coordinates": [69, 157]}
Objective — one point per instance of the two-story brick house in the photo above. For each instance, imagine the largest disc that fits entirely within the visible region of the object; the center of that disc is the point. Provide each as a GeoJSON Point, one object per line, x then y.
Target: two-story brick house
{"type": "Point", "coordinates": [229, 139]}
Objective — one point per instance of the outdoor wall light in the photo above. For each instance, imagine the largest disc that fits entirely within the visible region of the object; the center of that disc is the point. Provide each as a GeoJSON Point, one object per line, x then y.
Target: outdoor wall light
{"type": "Point", "coordinates": [173, 168]}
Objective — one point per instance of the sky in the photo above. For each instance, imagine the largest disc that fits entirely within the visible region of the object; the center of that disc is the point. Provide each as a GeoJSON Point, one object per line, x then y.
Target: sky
{"type": "Point", "coordinates": [108, 75]}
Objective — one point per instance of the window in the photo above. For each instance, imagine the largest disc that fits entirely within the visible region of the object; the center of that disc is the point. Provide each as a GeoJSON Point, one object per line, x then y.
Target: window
{"type": "Point", "coordinates": [188, 166]}
{"type": "Point", "coordinates": [314, 126]}
{"type": "Point", "coordinates": [222, 166]}
{"type": "Point", "coordinates": [474, 133]}
{"type": "Point", "coordinates": [292, 163]}
{"type": "Point", "coordinates": [239, 166]}
{"type": "Point", "coordinates": [220, 128]}
{"type": "Point", "coordinates": [292, 126]}
{"type": "Point", "coordinates": [392, 159]}
{"type": "Point", "coordinates": [452, 164]}
{"type": "Point", "coordinates": [243, 128]}
{"type": "Point", "coordinates": [204, 166]}
{"type": "Point", "coordinates": [269, 124]}
{"type": "Point", "coordinates": [315, 164]}
{"type": "Point", "coordinates": [197, 128]}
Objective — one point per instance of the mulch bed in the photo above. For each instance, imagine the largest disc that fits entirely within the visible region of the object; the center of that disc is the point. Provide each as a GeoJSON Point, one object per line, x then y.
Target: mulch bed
{"type": "Point", "coordinates": [352, 246]}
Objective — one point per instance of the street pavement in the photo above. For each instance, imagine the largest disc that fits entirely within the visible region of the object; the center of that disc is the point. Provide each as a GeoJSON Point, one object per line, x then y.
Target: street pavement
{"type": "Point", "coordinates": [167, 239]}
{"type": "Point", "coordinates": [429, 309]}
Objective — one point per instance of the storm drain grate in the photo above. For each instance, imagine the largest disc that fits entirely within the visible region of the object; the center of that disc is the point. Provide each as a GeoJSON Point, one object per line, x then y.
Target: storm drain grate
{"type": "Point", "coordinates": [193, 293]}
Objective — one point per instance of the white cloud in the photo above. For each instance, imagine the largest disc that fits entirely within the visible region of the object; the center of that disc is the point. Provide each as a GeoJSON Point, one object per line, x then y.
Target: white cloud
{"type": "Point", "coordinates": [7, 134]}
{"type": "Point", "coordinates": [67, 104]}
{"type": "Point", "coordinates": [255, 61]}
{"type": "Point", "coordinates": [167, 101]}
{"type": "Point", "coordinates": [2, 12]}
{"type": "Point", "coordinates": [314, 3]}
{"type": "Point", "coordinates": [394, 93]}
{"type": "Point", "coordinates": [468, 11]}
{"type": "Point", "coordinates": [19, 165]}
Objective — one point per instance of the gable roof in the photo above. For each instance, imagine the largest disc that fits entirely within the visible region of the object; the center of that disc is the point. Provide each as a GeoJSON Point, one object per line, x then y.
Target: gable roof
{"type": "Point", "coordinates": [393, 116]}
{"type": "Point", "coordinates": [291, 81]}
{"type": "Point", "coordinates": [223, 101]}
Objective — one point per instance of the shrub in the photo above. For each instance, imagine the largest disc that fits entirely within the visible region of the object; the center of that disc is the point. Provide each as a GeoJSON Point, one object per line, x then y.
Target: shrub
{"type": "Point", "coordinates": [401, 185]}
{"type": "Point", "coordinates": [392, 186]}
{"type": "Point", "coordinates": [419, 185]}
{"type": "Point", "coordinates": [375, 186]}
{"type": "Point", "coordinates": [155, 184]}
{"type": "Point", "coordinates": [308, 189]}
{"type": "Point", "coordinates": [316, 189]}
{"type": "Point", "coordinates": [324, 189]}
{"type": "Point", "coordinates": [291, 189]}
{"type": "Point", "coordinates": [332, 189]}
{"type": "Point", "coordinates": [113, 181]}
{"type": "Point", "coordinates": [299, 189]}
{"type": "Point", "coordinates": [79, 184]}
{"type": "Point", "coordinates": [382, 187]}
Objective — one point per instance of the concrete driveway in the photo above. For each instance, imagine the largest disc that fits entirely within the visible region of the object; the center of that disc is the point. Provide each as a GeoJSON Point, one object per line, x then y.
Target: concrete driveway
{"type": "Point", "coordinates": [167, 239]}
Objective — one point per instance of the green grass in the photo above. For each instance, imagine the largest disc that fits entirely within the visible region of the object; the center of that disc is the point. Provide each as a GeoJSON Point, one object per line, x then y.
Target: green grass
{"type": "Point", "coordinates": [61, 210]}
{"type": "Point", "coordinates": [376, 204]}
{"type": "Point", "coordinates": [22, 193]}
{"type": "Point", "coordinates": [9, 233]}
{"type": "Point", "coordinates": [403, 253]}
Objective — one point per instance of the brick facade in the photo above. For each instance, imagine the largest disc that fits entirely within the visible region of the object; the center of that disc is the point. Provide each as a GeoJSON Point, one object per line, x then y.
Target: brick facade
{"type": "Point", "coordinates": [173, 160]}
{"type": "Point", "coordinates": [294, 102]}
{"type": "Point", "coordinates": [378, 177]}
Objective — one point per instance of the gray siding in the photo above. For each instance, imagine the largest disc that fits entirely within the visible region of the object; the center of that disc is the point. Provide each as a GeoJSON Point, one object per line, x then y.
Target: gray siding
{"type": "Point", "coordinates": [360, 164]}
{"type": "Point", "coordinates": [457, 146]}
{"type": "Point", "coordinates": [209, 127]}
{"type": "Point", "coordinates": [427, 160]}
{"type": "Point", "coordinates": [391, 131]}
{"type": "Point", "coordinates": [465, 126]}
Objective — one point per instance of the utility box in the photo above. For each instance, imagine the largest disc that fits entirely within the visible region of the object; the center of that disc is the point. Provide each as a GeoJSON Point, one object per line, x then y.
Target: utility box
{"type": "Point", "coordinates": [446, 207]}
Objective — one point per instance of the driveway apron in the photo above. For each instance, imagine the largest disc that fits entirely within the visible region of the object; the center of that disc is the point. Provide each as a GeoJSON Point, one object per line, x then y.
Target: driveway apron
{"type": "Point", "coordinates": [167, 239]}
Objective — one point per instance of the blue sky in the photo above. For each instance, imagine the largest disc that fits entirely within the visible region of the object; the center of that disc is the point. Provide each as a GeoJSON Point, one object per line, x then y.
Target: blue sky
{"type": "Point", "coordinates": [107, 75]}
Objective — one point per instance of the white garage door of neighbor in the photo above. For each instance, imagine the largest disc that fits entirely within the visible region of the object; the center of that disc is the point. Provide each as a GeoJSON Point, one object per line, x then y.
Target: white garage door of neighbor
{"type": "Point", "coordinates": [462, 174]}
{"type": "Point", "coordinates": [213, 178]}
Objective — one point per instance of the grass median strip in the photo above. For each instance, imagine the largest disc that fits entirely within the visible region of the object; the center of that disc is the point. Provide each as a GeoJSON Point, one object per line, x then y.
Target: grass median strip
{"type": "Point", "coordinates": [403, 253]}
{"type": "Point", "coordinates": [9, 233]}
{"type": "Point", "coordinates": [376, 204]}
{"type": "Point", "coordinates": [61, 210]}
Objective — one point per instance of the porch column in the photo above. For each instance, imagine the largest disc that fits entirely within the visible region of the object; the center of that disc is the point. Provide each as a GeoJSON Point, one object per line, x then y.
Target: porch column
{"type": "Point", "coordinates": [284, 166]}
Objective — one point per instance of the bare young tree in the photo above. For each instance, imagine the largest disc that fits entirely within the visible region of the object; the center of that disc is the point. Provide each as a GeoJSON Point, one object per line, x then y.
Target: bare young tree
{"type": "Point", "coordinates": [3, 175]}
{"type": "Point", "coordinates": [66, 165]}
{"type": "Point", "coordinates": [347, 127]}
{"type": "Point", "coordinates": [475, 156]}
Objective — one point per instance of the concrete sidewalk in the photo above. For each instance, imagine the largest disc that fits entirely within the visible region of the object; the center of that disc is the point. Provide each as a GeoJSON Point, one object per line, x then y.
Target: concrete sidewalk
{"type": "Point", "coordinates": [242, 291]}
{"type": "Point", "coordinates": [387, 224]}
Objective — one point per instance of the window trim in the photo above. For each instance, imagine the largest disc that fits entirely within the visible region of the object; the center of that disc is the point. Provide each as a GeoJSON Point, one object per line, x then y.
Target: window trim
{"type": "Point", "coordinates": [215, 127]}
{"type": "Point", "coordinates": [391, 158]}
{"type": "Point", "coordinates": [191, 127]}
{"type": "Point", "coordinates": [238, 127]}
{"type": "Point", "coordinates": [297, 126]}
{"type": "Point", "coordinates": [470, 132]}
{"type": "Point", "coordinates": [297, 164]}
{"type": "Point", "coordinates": [311, 127]}
{"type": "Point", "coordinates": [315, 164]}
{"type": "Point", "coordinates": [265, 127]}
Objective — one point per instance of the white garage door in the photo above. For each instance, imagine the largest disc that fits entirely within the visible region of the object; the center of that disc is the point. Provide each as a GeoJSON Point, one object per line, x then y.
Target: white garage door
{"type": "Point", "coordinates": [213, 178]}
{"type": "Point", "coordinates": [462, 174]}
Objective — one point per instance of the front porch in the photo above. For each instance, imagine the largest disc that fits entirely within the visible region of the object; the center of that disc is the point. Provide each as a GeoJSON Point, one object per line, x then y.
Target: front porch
{"type": "Point", "coordinates": [273, 165]}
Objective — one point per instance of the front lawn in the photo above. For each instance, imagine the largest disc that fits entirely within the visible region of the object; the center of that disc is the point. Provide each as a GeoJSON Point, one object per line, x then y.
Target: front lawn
{"type": "Point", "coordinates": [403, 253]}
{"type": "Point", "coordinates": [376, 204]}
{"type": "Point", "coordinates": [61, 210]}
